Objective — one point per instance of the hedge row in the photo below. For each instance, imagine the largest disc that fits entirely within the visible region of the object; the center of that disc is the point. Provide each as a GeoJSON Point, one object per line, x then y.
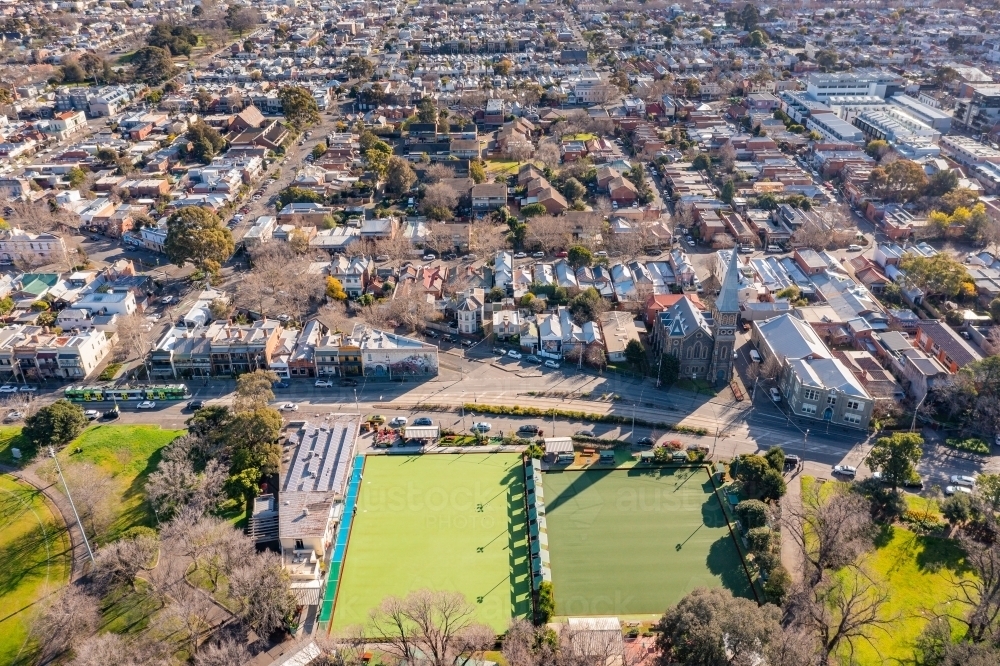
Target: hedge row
{"type": "Point", "coordinates": [517, 410]}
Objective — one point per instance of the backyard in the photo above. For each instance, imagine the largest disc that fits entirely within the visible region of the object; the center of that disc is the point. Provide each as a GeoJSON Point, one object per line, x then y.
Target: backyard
{"type": "Point", "coordinates": [633, 542]}
{"type": "Point", "coordinates": [445, 522]}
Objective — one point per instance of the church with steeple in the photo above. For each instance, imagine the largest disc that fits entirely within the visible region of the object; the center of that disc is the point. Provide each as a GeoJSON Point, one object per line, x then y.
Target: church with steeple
{"type": "Point", "coordinates": [725, 315]}
{"type": "Point", "coordinates": [703, 342]}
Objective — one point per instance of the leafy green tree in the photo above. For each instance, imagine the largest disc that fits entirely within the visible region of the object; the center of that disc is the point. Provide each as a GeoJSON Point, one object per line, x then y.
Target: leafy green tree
{"type": "Point", "coordinates": [752, 513]}
{"type": "Point", "coordinates": [546, 602]}
{"type": "Point", "coordinates": [635, 354]}
{"type": "Point", "coordinates": [534, 210]}
{"type": "Point", "coordinates": [57, 424]}
{"type": "Point", "coordinates": [319, 150]}
{"type": "Point", "coordinates": [957, 509]}
{"type": "Point", "coordinates": [358, 67]}
{"type": "Point", "coordinates": [896, 457]}
{"type": "Point", "coordinates": [587, 306]}
{"type": "Point", "coordinates": [579, 256]}
{"type": "Point", "coordinates": [76, 176]}
{"type": "Point", "coordinates": [775, 457]}
{"type": "Point", "coordinates": [196, 235]}
{"type": "Point", "coordinates": [758, 478]}
{"type": "Point", "coordinates": [152, 65]}
{"type": "Point", "coordinates": [940, 275]}
{"type": "Point", "coordinates": [701, 162]}
{"type": "Point", "coordinates": [400, 176]}
{"type": "Point", "coordinates": [988, 487]}
{"type": "Point", "coordinates": [6, 305]}
{"type": "Point", "coordinates": [877, 149]}
{"type": "Point", "coordinates": [299, 106]}
{"type": "Point", "coordinates": [177, 39]}
{"type": "Point", "coordinates": [757, 39]}
{"type": "Point", "coordinates": [294, 194]}
{"type": "Point", "coordinates": [670, 369]}
{"type": "Point", "coordinates": [206, 140]}
{"type": "Point", "coordinates": [477, 172]}
{"type": "Point", "coordinates": [573, 189]}
{"type": "Point", "coordinates": [427, 111]}
{"type": "Point", "coordinates": [728, 191]}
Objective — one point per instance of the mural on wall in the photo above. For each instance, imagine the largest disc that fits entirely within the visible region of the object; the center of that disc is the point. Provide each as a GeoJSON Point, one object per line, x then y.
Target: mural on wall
{"type": "Point", "coordinates": [415, 364]}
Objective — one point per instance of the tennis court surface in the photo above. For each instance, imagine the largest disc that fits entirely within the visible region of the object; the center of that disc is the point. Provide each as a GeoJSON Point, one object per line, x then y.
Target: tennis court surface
{"type": "Point", "coordinates": [444, 522]}
{"type": "Point", "coordinates": [633, 542]}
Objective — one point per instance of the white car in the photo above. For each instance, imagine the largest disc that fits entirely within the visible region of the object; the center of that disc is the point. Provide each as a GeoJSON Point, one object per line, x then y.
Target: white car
{"type": "Point", "coordinates": [323, 383]}
{"type": "Point", "coordinates": [846, 470]}
{"type": "Point", "coordinates": [961, 480]}
{"type": "Point", "coordinates": [146, 404]}
{"type": "Point", "coordinates": [520, 255]}
{"type": "Point", "coordinates": [398, 421]}
{"type": "Point", "coordinates": [951, 490]}
{"type": "Point", "coordinates": [167, 300]}
{"type": "Point", "coordinates": [513, 353]}
{"type": "Point", "coordinates": [482, 426]}
{"type": "Point", "coordinates": [13, 389]}
{"type": "Point", "coordinates": [551, 364]}
{"type": "Point", "coordinates": [91, 414]}
{"type": "Point", "coordinates": [28, 389]}
{"type": "Point", "coordinates": [289, 407]}
{"type": "Point", "coordinates": [775, 395]}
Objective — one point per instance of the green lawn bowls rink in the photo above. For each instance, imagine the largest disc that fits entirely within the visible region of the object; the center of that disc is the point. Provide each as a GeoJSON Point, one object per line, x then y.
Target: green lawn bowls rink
{"type": "Point", "coordinates": [451, 522]}
{"type": "Point", "coordinates": [633, 542]}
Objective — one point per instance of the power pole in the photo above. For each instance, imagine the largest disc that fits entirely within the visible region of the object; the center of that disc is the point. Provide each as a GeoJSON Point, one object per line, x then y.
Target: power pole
{"type": "Point", "coordinates": [90, 553]}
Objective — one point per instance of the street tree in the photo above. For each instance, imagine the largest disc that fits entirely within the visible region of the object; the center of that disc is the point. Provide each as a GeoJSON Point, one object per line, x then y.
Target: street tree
{"type": "Point", "coordinates": [896, 457]}
{"type": "Point", "coordinates": [196, 235]}
{"type": "Point", "coordinates": [580, 256]}
{"type": "Point", "coordinates": [839, 528]}
{"type": "Point", "coordinates": [57, 424]}
{"type": "Point", "coordinates": [299, 106]}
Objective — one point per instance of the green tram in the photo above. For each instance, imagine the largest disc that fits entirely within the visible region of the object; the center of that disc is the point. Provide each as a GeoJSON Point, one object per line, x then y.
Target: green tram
{"type": "Point", "coordinates": [110, 393]}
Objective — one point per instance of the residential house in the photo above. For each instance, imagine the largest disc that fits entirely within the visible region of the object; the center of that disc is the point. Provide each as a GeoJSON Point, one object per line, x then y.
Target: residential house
{"type": "Point", "coordinates": [826, 390]}
{"type": "Point", "coordinates": [354, 273]}
{"type": "Point", "coordinates": [488, 196]}
{"type": "Point", "coordinates": [19, 246]}
{"type": "Point", "coordinates": [617, 329]}
{"type": "Point", "coordinates": [942, 342]}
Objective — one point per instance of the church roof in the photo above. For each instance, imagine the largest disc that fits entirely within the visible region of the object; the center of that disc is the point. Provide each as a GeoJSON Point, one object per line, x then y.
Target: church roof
{"type": "Point", "coordinates": [729, 298]}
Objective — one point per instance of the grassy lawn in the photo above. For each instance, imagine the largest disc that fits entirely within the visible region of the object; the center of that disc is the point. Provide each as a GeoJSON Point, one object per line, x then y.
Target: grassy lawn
{"type": "Point", "coordinates": [914, 568]}
{"type": "Point", "coordinates": [128, 611]}
{"type": "Point", "coordinates": [128, 454]}
{"type": "Point", "coordinates": [697, 386]}
{"type": "Point", "coordinates": [10, 438]}
{"type": "Point", "coordinates": [200, 579]}
{"type": "Point", "coordinates": [444, 522]}
{"type": "Point", "coordinates": [35, 556]}
{"type": "Point", "coordinates": [583, 136]}
{"type": "Point", "coordinates": [633, 542]}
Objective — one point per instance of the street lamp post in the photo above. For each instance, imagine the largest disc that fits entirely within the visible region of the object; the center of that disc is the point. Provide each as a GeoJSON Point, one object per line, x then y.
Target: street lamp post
{"type": "Point", "coordinates": [90, 553]}
{"type": "Point", "coordinates": [913, 423]}
{"type": "Point", "coordinates": [632, 433]}
{"type": "Point", "coordinates": [463, 411]}
{"type": "Point", "coordinates": [356, 405]}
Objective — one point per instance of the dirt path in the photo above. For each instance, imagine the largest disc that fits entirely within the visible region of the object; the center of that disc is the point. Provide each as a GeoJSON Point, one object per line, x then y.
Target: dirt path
{"type": "Point", "coordinates": [791, 505]}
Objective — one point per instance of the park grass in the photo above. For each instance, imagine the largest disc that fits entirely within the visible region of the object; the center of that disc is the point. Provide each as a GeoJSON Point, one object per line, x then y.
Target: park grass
{"type": "Point", "coordinates": [582, 136]}
{"type": "Point", "coordinates": [634, 542]}
{"type": "Point", "coordinates": [128, 454]}
{"type": "Point", "coordinates": [917, 571]}
{"type": "Point", "coordinates": [35, 561]}
{"type": "Point", "coordinates": [128, 611]}
{"type": "Point", "coordinates": [452, 522]}
{"type": "Point", "coordinates": [10, 438]}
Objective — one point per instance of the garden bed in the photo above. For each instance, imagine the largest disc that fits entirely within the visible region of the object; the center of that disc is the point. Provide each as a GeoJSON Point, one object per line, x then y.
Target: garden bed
{"type": "Point", "coordinates": [970, 444]}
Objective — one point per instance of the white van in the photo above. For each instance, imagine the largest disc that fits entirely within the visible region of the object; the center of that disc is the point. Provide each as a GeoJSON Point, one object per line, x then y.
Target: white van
{"type": "Point", "coordinates": [754, 356]}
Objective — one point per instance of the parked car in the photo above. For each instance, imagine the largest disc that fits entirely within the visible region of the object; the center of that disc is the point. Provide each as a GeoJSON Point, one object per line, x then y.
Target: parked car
{"type": "Point", "coordinates": [398, 421]}
{"type": "Point", "coordinates": [28, 389]}
{"type": "Point", "coordinates": [601, 253]}
{"type": "Point", "coordinates": [482, 426]}
{"type": "Point", "coordinates": [289, 407]}
{"type": "Point", "coordinates": [854, 248]}
{"type": "Point", "coordinates": [167, 300]}
{"type": "Point", "coordinates": [382, 257]}
{"type": "Point", "coordinates": [845, 470]}
{"type": "Point", "coordinates": [531, 358]}
{"type": "Point", "coordinates": [112, 413]}
{"type": "Point", "coordinates": [430, 257]}
{"type": "Point", "coordinates": [347, 381]}
{"type": "Point", "coordinates": [754, 356]}
{"type": "Point", "coordinates": [423, 421]}
{"type": "Point", "coordinates": [775, 395]}
{"type": "Point", "coordinates": [323, 383]}
{"type": "Point", "coordinates": [551, 364]}
{"type": "Point", "coordinates": [8, 389]}
{"type": "Point", "coordinates": [513, 353]}
{"type": "Point", "coordinates": [280, 385]}
{"type": "Point", "coordinates": [646, 441]}
{"type": "Point", "coordinates": [562, 254]}
{"type": "Point", "coordinates": [146, 404]}
{"type": "Point", "coordinates": [538, 255]}
{"type": "Point", "coordinates": [195, 405]}
{"type": "Point", "coordinates": [791, 461]}
{"type": "Point", "coordinates": [962, 480]}
{"type": "Point", "coordinates": [91, 414]}
{"type": "Point", "coordinates": [520, 255]}
{"type": "Point", "coordinates": [951, 490]}
{"type": "Point", "coordinates": [585, 433]}
{"type": "Point", "coordinates": [529, 428]}
{"type": "Point", "coordinates": [377, 419]}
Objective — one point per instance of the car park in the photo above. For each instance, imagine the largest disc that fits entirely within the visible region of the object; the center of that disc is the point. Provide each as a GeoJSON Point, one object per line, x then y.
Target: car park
{"type": "Point", "coordinates": [962, 480]}
{"type": "Point", "coordinates": [398, 421]}
{"type": "Point", "coordinates": [551, 364]}
{"type": "Point", "coordinates": [513, 353]}
{"type": "Point", "coordinates": [482, 426]}
{"type": "Point", "coordinates": [323, 383]}
{"type": "Point", "coordinates": [289, 407]}
{"type": "Point", "coordinates": [423, 421]}
{"type": "Point", "coordinates": [146, 404]}
{"type": "Point", "coordinates": [845, 470]}
{"type": "Point", "coordinates": [775, 395]}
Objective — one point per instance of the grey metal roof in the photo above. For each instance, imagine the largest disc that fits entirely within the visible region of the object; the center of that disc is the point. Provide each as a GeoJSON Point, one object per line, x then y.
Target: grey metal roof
{"type": "Point", "coordinates": [729, 295]}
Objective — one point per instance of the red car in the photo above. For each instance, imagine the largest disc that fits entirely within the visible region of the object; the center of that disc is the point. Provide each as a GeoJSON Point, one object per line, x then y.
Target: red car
{"type": "Point", "coordinates": [562, 255]}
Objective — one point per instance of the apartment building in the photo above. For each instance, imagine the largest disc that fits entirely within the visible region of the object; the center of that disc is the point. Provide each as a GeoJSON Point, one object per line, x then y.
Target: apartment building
{"type": "Point", "coordinates": [19, 246]}
{"type": "Point", "coordinates": [33, 353]}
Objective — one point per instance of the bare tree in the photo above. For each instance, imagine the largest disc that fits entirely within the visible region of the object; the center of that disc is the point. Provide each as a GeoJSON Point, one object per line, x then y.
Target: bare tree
{"type": "Point", "coordinates": [38, 217]}
{"type": "Point", "coordinates": [727, 157]}
{"type": "Point", "coordinates": [839, 529]}
{"type": "Point", "coordinates": [132, 340]}
{"type": "Point", "coordinates": [438, 195]}
{"type": "Point", "coordinates": [437, 172]}
{"type": "Point", "coordinates": [93, 491]}
{"type": "Point", "coordinates": [119, 562]}
{"type": "Point", "coordinates": [226, 652]}
{"type": "Point", "coordinates": [110, 648]}
{"type": "Point", "coordinates": [437, 624]}
{"type": "Point", "coordinates": [549, 233]}
{"type": "Point", "coordinates": [225, 554]}
{"type": "Point", "coordinates": [548, 154]}
{"type": "Point", "coordinates": [522, 645]}
{"type": "Point", "coordinates": [519, 150]}
{"type": "Point", "coordinates": [259, 587]}
{"type": "Point", "coordinates": [70, 615]}
{"type": "Point", "coordinates": [345, 648]}
{"type": "Point", "coordinates": [980, 594]}
{"type": "Point", "coordinates": [188, 615]}
{"type": "Point", "coordinates": [194, 535]}
{"type": "Point", "coordinates": [486, 238]}
{"type": "Point", "coordinates": [335, 317]}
